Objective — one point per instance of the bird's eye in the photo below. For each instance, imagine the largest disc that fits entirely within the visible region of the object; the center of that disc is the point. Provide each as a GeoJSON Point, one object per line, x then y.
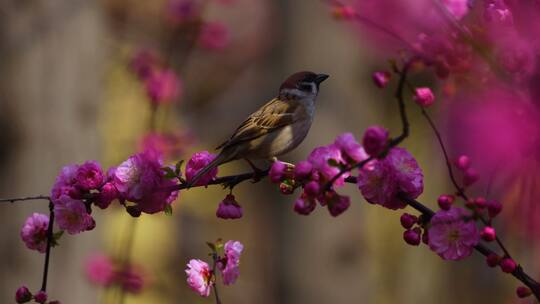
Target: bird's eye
{"type": "Point", "coordinates": [305, 86]}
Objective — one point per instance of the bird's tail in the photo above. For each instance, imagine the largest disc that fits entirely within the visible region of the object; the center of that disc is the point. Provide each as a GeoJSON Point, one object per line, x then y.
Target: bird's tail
{"type": "Point", "coordinates": [220, 159]}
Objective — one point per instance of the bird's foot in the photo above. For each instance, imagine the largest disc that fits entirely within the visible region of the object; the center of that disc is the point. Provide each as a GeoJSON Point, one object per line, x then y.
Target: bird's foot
{"type": "Point", "coordinates": [257, 173]}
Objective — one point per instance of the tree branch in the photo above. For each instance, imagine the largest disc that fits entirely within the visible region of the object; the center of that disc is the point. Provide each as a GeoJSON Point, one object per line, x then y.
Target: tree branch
{"type": "Point", "coordinates": [28, 198]}
{"type": "Point", "coordinates": [49, 244]}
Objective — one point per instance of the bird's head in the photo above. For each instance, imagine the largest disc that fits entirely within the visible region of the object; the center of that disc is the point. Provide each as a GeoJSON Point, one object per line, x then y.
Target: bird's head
{"type": "Point", "coordinates": [302, 84]}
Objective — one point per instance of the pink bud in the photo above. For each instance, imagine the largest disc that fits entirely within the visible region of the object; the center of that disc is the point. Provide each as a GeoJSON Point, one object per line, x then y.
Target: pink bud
{"type": "Point", "coordinates": [304, 205]}
{"type": "Point", "coordinates": [408, 220]}
{"type": "Point", "coordinates": [229, 208]}
{"type": "Point", "coordinates": [480, 202]}
{"type": "Point", "coordinates": [470, 177]}
{"type": "Point", "coordinates": [488, 234]}
{"type": "Point", "coordinates": [494, 208]}
{"type": "Point", "coordinates": [106, 195]}
{"type": "Point", "coordinates": [508, 265]}
{"type": "Point", "coordinates": [424, 97]}
{"type": "Point", "coordinates": [344, 12]}
{"type": "Point", "coordinates": [277, 171]}
{"type": "Point", "coordinates": [339, 204]}
{"type": "Point", "coordinates": [23, 295]}
{"type": "Point", "coordinates": [463, 162]}
{"type": "Point", "coordinates": [40, 297]}
{"type": "Point", "coordinates": [523, 292]}
{"type": "Point", "coordinates": [492, 260]}
{"type": "Point", "coordinates": [374, 140]}
{"type": "Point", "coordinates": [412, 237]}
{"type": "Point", "coordinates": [312, 189]}
{"type": "Point", "coordinates": [381, 78]}
{"type": "Point", "coordinates": [445, 201]}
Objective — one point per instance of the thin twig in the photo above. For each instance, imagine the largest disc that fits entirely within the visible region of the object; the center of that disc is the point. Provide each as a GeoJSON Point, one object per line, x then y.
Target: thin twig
{"type": "Point", "coordinates": [28, 198]}
{"type": "Point", "coordinates": [216, 293]}
{"type": "Point", "coordinates": [49, 245]}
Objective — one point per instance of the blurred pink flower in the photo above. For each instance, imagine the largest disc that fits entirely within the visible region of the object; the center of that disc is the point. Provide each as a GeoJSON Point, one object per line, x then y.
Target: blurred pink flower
{"type": "Point", "coordinates": [196, 163]}
{"type": "Point", "coordinates": [100, 270]}
{"type": "Point", "coordinates": [34, 232]}
{"type": "Point", "coordinates": [198, 277]}
{"type": "Point", "coordinates": [214, 36]}
{"type": "Point", "coordinates": [451, 235]}
{"type": "Point", "coordinates": [40, 297]}
{"type": "Point", "coordinates": [230, 266]}
{"type": "Point", "coordinates": [143, 63]}
{"type": "Point", "coordinates": [180, 11]}
{"type": "Point", "coordinates": [130, 279]}
{"type": "Point", "coordinates": [381, 78]}
{"type": "Point", "coordinates": [72, 216]}
{"type": "Point", "coordinates": [141, 180]}
{"type": "Point", "coordinates": [163, 86]}
{"type": "Point", "coordinates": [169, 144]}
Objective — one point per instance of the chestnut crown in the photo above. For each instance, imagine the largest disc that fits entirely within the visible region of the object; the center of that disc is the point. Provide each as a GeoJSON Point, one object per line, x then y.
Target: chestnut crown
{"type": "Point", "coordinates": [304, 81]}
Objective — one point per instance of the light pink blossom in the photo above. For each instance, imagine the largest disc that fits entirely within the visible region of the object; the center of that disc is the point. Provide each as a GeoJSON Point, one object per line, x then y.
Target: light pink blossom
{"type": "Point", "coordinates": [230, 266]}
{"type": "Point", "coordinates": [198, 277]}
{"type": "Point", "coordinates": [34, 232]}
{"type": "Point", "coordinates": [71, 215]}
{"type": "Point", "coordinates": [196, 163]}
{"type": "Point", "coordinates": [163, 86]}
{"type": "Point", "coordinates": [214, 36]}
{"type": "Point", "coordinates": [89, 176]}
{"type": "Point", "coordinates": [99, 270]}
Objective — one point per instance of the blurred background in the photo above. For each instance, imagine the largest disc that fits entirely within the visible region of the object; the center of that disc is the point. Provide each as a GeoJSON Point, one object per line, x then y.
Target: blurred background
{"type": "Point", "coordinates": [71, 90]}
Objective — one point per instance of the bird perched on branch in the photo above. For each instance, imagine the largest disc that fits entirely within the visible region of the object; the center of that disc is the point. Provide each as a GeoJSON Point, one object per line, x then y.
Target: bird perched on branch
{"type": "Point", "coordinates": [276, 128]}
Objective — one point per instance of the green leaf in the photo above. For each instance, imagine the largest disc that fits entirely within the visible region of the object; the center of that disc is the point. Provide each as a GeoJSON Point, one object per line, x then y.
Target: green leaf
{"type": "Point", "coordinates": [168, 210]}
{"type": "Point", "coordinates": [169, 172]}
{"type": "Point", "coordinates": [212, 246]}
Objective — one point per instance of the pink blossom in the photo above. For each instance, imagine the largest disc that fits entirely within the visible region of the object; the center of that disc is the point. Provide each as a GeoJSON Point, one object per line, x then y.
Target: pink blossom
{"type": "Point", "coordinates": [229, 208]}
{"type": "Point", "coordinates": [198, 277]}
{"type": "Point", "coordinates": [277, 171]}
{"type": "Point", "coordinates": [163, 86]}
{"type": "Point", "coordinates": [99, 270]}
{"type": "Point", "coordinates": [451, 235]}
{"type": "Point", "coordinates": [458, 8]}
{"type": "Point", "coordinates": [89, 176]}
{"type": "Point", "coordinates": [488, 234]}
{"type": "Point", "coordinates": [214, 36]}
{"type": "Point", "coordinates": [523, 292]}
{"type": "Point", "coordinates": [34, 232]}
{"type": "Point", "coordinates": [381, 78]}
{"type": "Point", "coordinates": [65, 182]}
{"type": "Point", "coordinates": [337, 204]}
{"type": "Point", "coordinates": [23, 295]}
{"type": "Point", "coordinates": [141, 180]}
{"type": "Point", "coordinates": [424, 97]}
{"type": "Point", "coordinates": [507, 265]}
{"type": "Point", "coordinates": [375, 140]}
{"type": "Point", "coordinates": [351, 150]}
{"type": "Point", "coordinates": [320, 158]}
{"type": "Point", "coordinates": [71, 215]}
{"type": "Point", "coordinates": [303, 170]}
{"type": "Point", "coordinates": [170, 144]}
{"type": "Point", "coordinates": [197, 162]}
{"type": "Point", "coordinates": [106, 195]}
{"type": "Point", "coordinates": [230, 266]}
{"type": "Point", "coordinates": [408, 174]}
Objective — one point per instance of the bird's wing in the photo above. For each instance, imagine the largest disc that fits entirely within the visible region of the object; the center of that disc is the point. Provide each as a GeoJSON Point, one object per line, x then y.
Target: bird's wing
{"type": "Point", "coordinates": [273, 115]}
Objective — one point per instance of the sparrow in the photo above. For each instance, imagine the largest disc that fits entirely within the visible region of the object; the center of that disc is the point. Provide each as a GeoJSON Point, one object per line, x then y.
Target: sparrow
{"type": "Point", "coordinates": [276, 128]}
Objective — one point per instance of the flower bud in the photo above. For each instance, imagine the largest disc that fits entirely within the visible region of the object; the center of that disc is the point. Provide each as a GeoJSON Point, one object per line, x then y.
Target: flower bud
{"type": "Point", "coordinates": [381, 78]}
{"type": "Point", "coordinates": [286, 188]}
{"type": "Point", "coordinates": [312, 189]}
{"type": "Point", "coordinates": [302, 170]}
{"type": "Point", "coordinates": [23, 295]}
{"type": "Point", "coordinates": [445, 201]}
{"type": "Point", "coordinates": [374, 140]}
{"type": "Point", "coordinates": [40, 297]}
{"type": "Point", "coordinates": [277, 171]}
{"type": "Point", "coordinates": [424, 97]}
{"type": "Point", "coordinates": [470, 177]}
{"type": "Point", "coordinates": [523, 292]}
{"type": "Point", "coordinates": [508, 265]}
{"type": "Point", "coordinates": [494, 208]}
{"type": "Point", "coordinates": [463, 162]}
{"type": "Point", "coordinates": [480, 202]}
{"type": "Point", "coordinates": [492, 260]}
{"type": "Point", "coordinates": [304, 205]}
{"type": "Point", "coordinates": [408, 220]}
{"type": "Point", "coordinates": [412, 237]}
{"type": "Point", "coordinates": [229, 208]}
{"type": "Point", "coordinates": [488, 234]}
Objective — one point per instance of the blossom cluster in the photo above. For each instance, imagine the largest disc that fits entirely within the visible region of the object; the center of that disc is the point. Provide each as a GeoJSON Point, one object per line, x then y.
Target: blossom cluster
{"type": "Point", "coordinates": [201, 277]}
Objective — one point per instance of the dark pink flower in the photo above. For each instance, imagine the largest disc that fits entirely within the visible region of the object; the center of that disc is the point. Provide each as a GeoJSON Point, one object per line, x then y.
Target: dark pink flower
{"type": "Point", "coordinates": [163, 86]}
{"type": "Point", "coordinates": [408, 220]}
{"type": "Point", "coordinates": [65, 182]}
{"type": "Point", "coordinates": [71, 215]}
{"type": "Point", "coordinates": [198, 277]}
{"type": "Point", "coordinates": [277, 171]}
{"type": "Point", "coordinates": [23, 295]}
{"type": "Point", "coordinates": [89, 176]}
{"type": "Point", "coordinates": [381, 78]}
{"type": "Point", "coordinates": [197, 162]}
{"type": "Point", "coordinates": [34, 232]}
{"type": "Point", "coordinates": [375, 140]}
{"type": "Point", "coordinates": [99, 270]}
{"type": "Point", "coordinates": [451, 235]}
{"type": "Point", "coordinates": [424, 97]}
{"type": "Point", "coordinates": [40, 296]}
{"type": "Point", "coordinates": [326, 160]}
{"type": "Point", "coordinates": [230, 268]}
{"type": "Point", "coordinates": [229, 208]}
{"type": "Point", "coordinates": [106, 195]}
{"type": "Point", "coordinates": [141, 180]}
{"type": "Point", "coordinates": [130, 279]}
{"type": "Point", "coordinates": [351, 150]}
{"type": "Point", "coordinates": [214, 36]}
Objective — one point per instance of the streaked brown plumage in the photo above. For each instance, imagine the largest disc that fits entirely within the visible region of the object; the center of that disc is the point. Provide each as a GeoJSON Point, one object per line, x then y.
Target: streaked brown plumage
{"type": "Point", "coordinates": [277, 127]}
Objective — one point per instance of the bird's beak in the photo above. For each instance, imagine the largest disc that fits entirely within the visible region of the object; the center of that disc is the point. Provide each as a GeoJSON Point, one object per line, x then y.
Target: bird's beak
{"type": "Point", "coordinates": [320, 78]}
